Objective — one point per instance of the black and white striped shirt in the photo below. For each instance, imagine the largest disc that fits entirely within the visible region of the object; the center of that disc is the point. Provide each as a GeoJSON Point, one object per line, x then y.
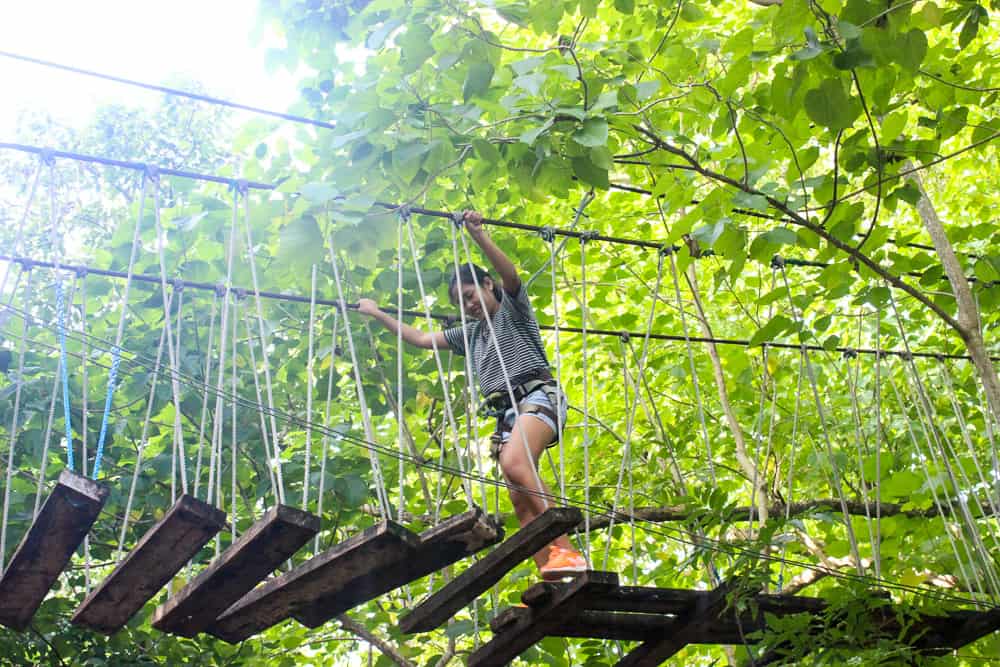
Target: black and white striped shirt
{"type": "Point", "coordinates": [519, 341]}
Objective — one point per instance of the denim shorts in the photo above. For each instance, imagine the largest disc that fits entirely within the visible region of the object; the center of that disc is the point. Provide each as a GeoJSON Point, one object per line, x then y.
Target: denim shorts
{"type": "Point", "coordinates": [537, 397]}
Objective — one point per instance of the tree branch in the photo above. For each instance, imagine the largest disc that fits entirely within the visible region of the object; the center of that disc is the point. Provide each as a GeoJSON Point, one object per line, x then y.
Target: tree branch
{"type": "Point", "coordinates": [387, 649]}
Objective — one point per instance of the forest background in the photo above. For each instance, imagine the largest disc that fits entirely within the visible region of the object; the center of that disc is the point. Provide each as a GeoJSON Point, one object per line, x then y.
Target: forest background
{"type": "Point", "coordinates": [853, 141]}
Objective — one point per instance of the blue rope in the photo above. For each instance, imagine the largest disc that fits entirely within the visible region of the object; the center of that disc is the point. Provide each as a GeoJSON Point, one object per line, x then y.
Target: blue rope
{"type": "Point", "coordinates": [63, 360]}
{"type": "Point", "coordinates": [116, 357]}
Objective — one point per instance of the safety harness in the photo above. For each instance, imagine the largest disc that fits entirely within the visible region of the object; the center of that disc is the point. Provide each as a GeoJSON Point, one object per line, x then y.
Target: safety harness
{"type": "Point", "coordinates": [498, 403]}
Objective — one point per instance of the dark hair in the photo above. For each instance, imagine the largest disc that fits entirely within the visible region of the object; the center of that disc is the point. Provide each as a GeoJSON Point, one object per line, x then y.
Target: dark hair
{"type": "Point", "coordinates": [469, 274]}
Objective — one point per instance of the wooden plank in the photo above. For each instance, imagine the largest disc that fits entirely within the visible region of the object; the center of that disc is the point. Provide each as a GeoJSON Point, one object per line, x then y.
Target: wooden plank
{"type": "Point", "coordinates": [480, 576]}
{"type": "Point", "coordinates": [540, 621]}
{"type": "Point", "coordinates": [451, 540]}
{"type": "Point", "coordinates": [147, 568]}
{"type": "Point", "coordinates": [640, 599]}
{"type": "Point", "coordinates": [45, 550]}
{"type": "Point", "coordinates": [334, 569]}
{"type": "Point", "coordinates": [594, 624]}
{"type": "Point", "coordinates": [270, 541]}
{"type": "Point", "coordinates": [681, 632]}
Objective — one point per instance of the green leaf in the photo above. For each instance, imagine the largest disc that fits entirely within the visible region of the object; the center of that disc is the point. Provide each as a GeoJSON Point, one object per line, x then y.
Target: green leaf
{"type": "Point", "coordinates": [415, 45]}
{"type": "Point", "coordinates": [830, 106]}
{"type": "Point", "coordinates": [625, 6]}
{"type": "Point", "coordinates": [911, 48]}
{"type": "Point", "coordinates": [776, 325]}
{"type": "Point", "coordinates": [969, 30]}
{"type": "Point", "coordinates": [477, 81]}
{"type": "Point", "coordinates": [530, 136]}
{"type": "Point", "coordinates": [608, 98]}
{"type": "Point", "coordinates": [893, 125]}
{"type": "Point", "coordinates": [691, 13]}
{"type": "Point", "coordinates": [486, 151]}
{"type": "Point", "coordinates": [530, 82]}
{"type": "Point", "coordinates": [590, 173]}
{"type": "Point", "coordinates": [301, 243]}
{"type": "Point", "coordinates": [646, 89]}
{"type": "Point", "coordinates": [593, 132]}
{"type": "Point", "coordinates": [318, 193]}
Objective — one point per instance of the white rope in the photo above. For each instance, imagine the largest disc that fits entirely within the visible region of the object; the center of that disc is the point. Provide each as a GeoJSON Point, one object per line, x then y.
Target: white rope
{"type": "Point", "coordinates": [260, 401]}
{"type": "Point", "coordinates": [636, 388]}
{"type": "Point", "coordinates": [584, 319]}
{"type": "Point", "coordinates": [223, 328]}
{"type": "Point", "coordinates": [205, 391]}
{"type": "Point", "coordinates": [852, 539]}
{"type": "Point", "coordinates": [877, 400]}
{"type": "Point", "coordinates": [852, 389]}
{"type": "Point", "coordinates": [506, 377]}
{"type": "Point", "coordinates": [446, 387]}
{"type": "Point", "coordinates": [471, 378]}
{"type": "Point", "coordinates": [275, 440]}
{"type": "Point", "coordinates": [694, 371]}
{"type": "Point", "coordinates": [559, 395]}
{"type": "Point", "coordinates": [85, 410]}
{"type": "Point", "coordinates": [384, 506]}
{"type": "Point", "coordinates": [309, 391]}
{"type": "Point", "coordinates": [792, 449]}
{"type": "Point", "coordinates": [233, 442]}
{"type": "Point", "coordinates": [19, 235]}
{"type": "Point", "coordinates": [143, 440]}
{"type": "Point", "coordinates": [400, 415]}
{"type": "Point", "coordinates": [326, 422]}
{"type": "Point", "coordinates": [14, 421]}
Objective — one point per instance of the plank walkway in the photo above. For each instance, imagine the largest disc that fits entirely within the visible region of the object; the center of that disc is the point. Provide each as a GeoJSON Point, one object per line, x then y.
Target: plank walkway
{"type": "Point", "coordinates": [365, 566]}
{"type": "Point", "coordinates": [270, 541]}
{"type": "Point", "coordinates": [45, 550]}
{"type": "Point", "coordinates": [159, 555]}
{"type": "Point", "coordinates": [481, 575]}
{"type": "Point", "coordinates": [663, 621]}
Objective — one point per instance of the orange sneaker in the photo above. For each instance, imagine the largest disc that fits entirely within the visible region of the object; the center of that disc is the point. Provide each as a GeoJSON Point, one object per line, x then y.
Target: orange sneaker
{"type": "Point", "coordinates": [563, 563]}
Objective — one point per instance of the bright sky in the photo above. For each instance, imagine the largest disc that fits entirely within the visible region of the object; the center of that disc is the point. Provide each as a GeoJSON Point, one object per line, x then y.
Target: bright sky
{"type": "Point", "coordinates": [208, 40]}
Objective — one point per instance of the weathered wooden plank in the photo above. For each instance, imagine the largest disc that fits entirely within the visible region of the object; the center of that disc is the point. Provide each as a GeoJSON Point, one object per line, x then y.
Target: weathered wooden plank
{"type": "Point", "coordinates": [332, 570]}
{"type": "Point", "coordinates": [270, 541]}
{"type": "Point", "coordinates": [540, 621]}
{"type": "Point", "coordinates": [44, 551]}
{"type": "Point", "coordinates": [640, 599]}
{"type": "Point", "coordinates": [147, 568]}
{"type": "Point", "coordinates": [440, 546]}
{"type": "Point", "coordinates": [690, 627]}
{"type": "Point", "coordinates": [594, 624]}
{"type": "Point", "coordinates": [480, 576]}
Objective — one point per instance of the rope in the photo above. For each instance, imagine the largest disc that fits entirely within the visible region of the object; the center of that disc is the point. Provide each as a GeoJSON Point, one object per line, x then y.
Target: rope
{"type": "Point", "coordinates": [446, 387]}
{"type": "Point", "coordinates": [826, 433]}
{"type": "Point", "coordinates": [400, 417]}
{"type": "Point", "coordinates": [275, 440]}
{"type": "Point", "coordinates": [791, 465]}
{"type": "Point", "coordinates": [506, 375]}
{"type": "Point", "coordinates": [178, 437]}
{"type": "Point", "coordinates": [560, 394]}
{"type": "Point", "coordinates": [143, 440]}
{"type": "Point", "coordinates": [441, 317]}
{"type": "Point", "coordinates": [326, 422]}
{"type": "Point", "coordinates": [60, 313]}
{"type": "Point", "coordinates": [694, 371]}
{"type": "Point", "coordinates": [260, 401]}
{"type": "Point", "coordinates": [14, 424]}
{"type": "Point", "coordinates": [205, 392]}
{"type": "Point", "coordinates": [471, 379]}
{"type": "Point", "coordinates": [116, 350]}
{"type": "Point", "coordinates": [676, 534]}
{"type": "Point", "coordinates": [309, 390]}
{"type": "Point", "coordinates": [233, 442]}
{"type": "Point", "coordinates": [630, 409]}
{"type": "Point", "coordinates": [383, 499]}
{"type": "Point", "coordinates": [859, 441]}
{"type": "Point", "coordinates": [169, 91]}
{"type": "Point", "coordinates": [877, 390]}
{"type": "Point", "coordinates": [584, 319]}
{"type": "Point", "coordinates": [19, 235]}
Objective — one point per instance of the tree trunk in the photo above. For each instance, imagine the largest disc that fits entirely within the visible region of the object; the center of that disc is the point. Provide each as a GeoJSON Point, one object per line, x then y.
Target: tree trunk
{"type": "Point", "coordinates": [968, 314]}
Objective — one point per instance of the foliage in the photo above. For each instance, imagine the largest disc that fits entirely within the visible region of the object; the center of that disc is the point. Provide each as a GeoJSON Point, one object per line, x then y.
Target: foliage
{"type": "Point", "coordinates": [737, 132]}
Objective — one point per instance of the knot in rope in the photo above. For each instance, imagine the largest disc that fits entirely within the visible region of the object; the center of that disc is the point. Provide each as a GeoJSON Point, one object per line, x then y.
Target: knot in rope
{"type": "Point", "coordinates": [239, 293]}
{"type": "Point", "coordinates": [26, 264]}
{"type": "Point", "coordinates": [152, 172]}
{"type": "Point", "coordinates": [906, 355]}
{"type": "Point", "coordinates": [81, 272]}
{"type": "Point", "coordinates": [547, 233]}
{"type": "Point", "coordinates": [458, 219]}
{"type": "Point", "coordinates": [178, 284]}
{"type": "Point", "coordinates": [850, 353]}
{"type": "Point", "coordinates": [777, 262]}
{"type": "Point", "coordinates": [588, 235]}
{"type": "Point", "coordinates": [220, 290]}
{"type": "Point", "coordinates": [404, 212]}
{"type": "Point", "coordinates": [625, 336]}
{"type": "Point", "coordinates": [47, 156]}
{"type": "Point", "coordinates": [240, 186]}
{"type": "Point", "coordinates": [666, 249]}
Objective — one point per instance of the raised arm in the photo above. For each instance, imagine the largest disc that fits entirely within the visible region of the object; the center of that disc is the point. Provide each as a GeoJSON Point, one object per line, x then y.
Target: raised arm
{"type": "Point", "coordinates": [412, 335]}
{"type": "Point", "coordinates": [505, 268]}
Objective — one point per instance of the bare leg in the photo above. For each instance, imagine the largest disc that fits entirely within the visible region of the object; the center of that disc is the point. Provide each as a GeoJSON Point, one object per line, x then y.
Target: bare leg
{"type": "Point", "coordinates": [520, 470]}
